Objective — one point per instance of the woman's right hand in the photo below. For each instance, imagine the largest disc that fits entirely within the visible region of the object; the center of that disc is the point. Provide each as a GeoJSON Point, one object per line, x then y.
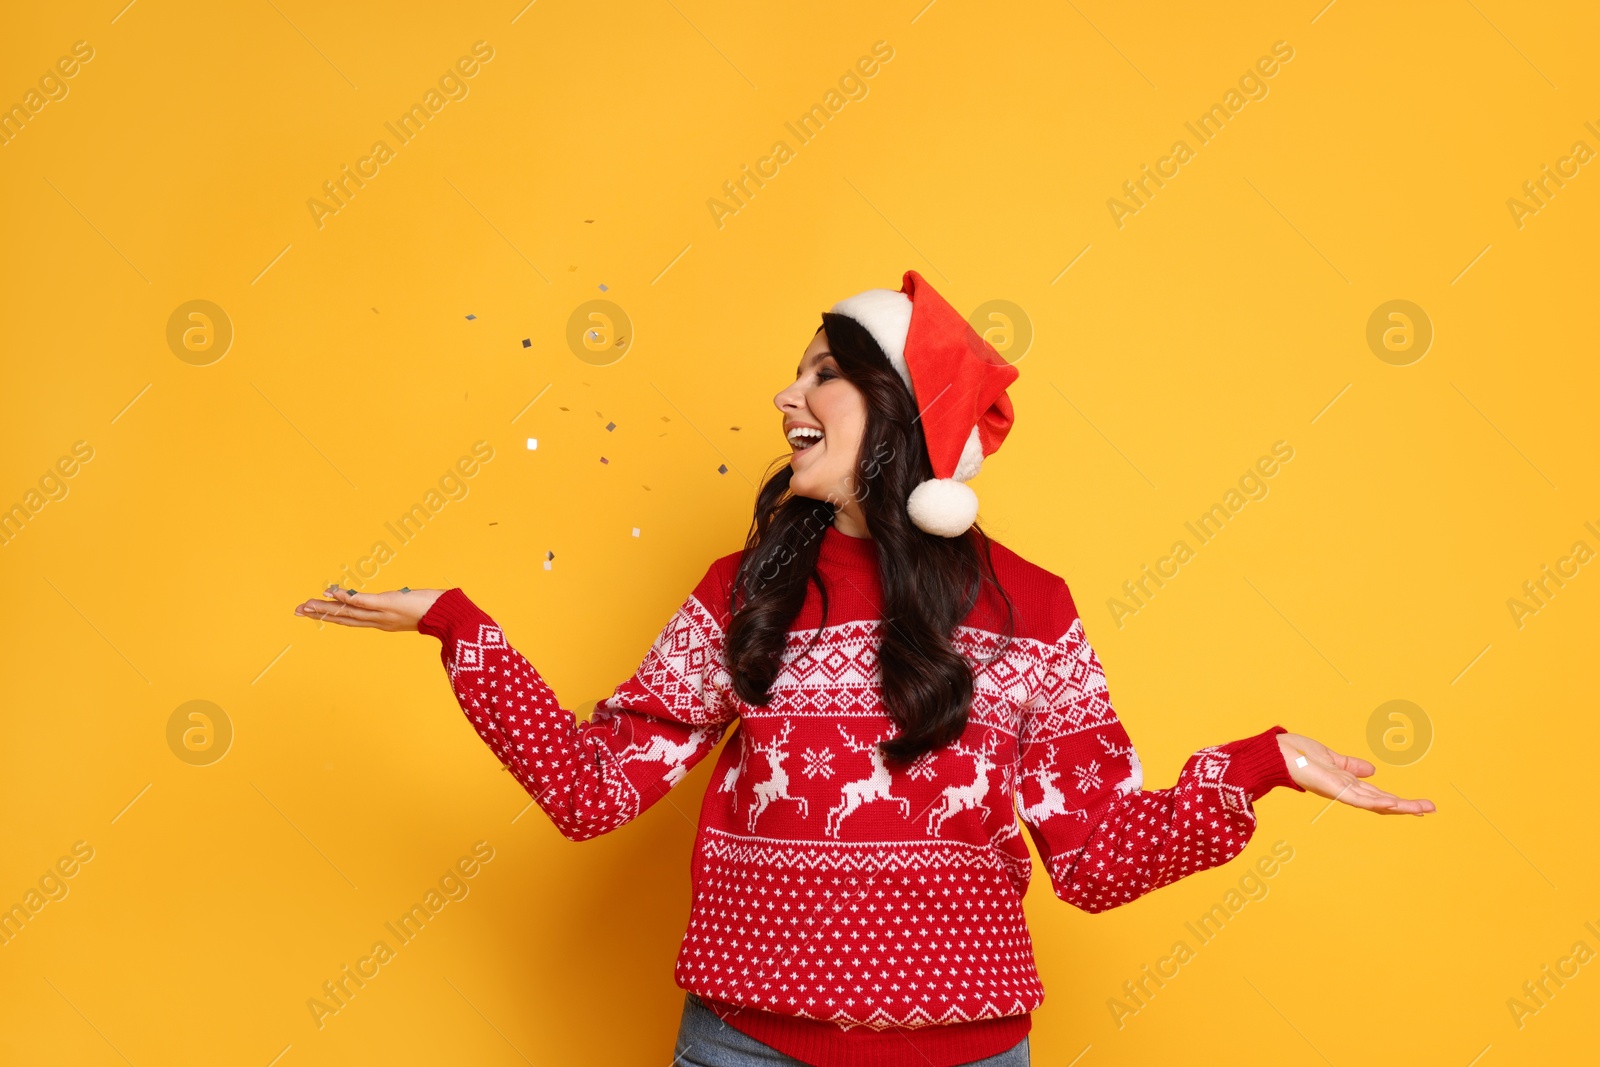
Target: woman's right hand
{"type": "Point", "coordinates": [399, 610]}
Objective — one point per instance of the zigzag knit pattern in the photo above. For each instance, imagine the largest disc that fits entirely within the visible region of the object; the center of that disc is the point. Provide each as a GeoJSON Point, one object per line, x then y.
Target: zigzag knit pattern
{"type": "Point", "coordinates": [844, 911]}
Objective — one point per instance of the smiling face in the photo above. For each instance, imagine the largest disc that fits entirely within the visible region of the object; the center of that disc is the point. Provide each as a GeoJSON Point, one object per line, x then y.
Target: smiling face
{"type": "Point", "coordinates": [824, 463]}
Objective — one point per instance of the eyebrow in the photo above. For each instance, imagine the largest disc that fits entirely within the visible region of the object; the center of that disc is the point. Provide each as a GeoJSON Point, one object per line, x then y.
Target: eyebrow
{"type": "Point", "coordinates": [819, 357]}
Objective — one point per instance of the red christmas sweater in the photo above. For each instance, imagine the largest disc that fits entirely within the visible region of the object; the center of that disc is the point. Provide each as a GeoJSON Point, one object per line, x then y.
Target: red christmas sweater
{"type": "Point", "coordinates": [843, 912]}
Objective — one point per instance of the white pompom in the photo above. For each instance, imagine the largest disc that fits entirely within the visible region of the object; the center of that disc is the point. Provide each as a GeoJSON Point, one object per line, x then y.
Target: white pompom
{"type": "Point", "coordinates": [943, 506]}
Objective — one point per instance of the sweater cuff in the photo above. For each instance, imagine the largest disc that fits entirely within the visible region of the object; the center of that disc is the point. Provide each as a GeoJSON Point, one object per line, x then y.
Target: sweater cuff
{"type": "Point", "coordinates": [448, 613]}
{"type": "Point", "coordinates": [1258, 764]}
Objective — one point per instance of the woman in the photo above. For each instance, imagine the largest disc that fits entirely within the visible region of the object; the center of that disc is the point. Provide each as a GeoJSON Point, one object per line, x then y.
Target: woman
{"type": "Point", "coordinates": [904, 687]}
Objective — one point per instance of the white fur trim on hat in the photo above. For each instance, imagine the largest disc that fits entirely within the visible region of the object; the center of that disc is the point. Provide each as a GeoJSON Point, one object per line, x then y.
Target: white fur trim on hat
{"type": "Point", "coordinates": [943, 506]}
{"type": "Point", "coordinates": [971, 460]}
{"type": "Point", "coordinates": [886, 315]}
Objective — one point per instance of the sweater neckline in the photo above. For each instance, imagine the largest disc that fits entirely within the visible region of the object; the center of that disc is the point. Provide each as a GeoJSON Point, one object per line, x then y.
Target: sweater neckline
{"type": "Point", "coordinates": [853, 553]}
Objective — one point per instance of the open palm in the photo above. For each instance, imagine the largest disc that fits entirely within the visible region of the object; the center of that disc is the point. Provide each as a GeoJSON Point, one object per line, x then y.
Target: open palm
{"type": "Point", "coordinates": [398, 610]}
{"type": "Point", "coordinates": [1339, 777]}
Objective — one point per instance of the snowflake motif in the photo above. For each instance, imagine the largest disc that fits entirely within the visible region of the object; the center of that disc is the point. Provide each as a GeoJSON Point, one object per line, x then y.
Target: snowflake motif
{"type": "Point", "coordinates": [1088, 777]}
{"type": "Point", "coordinates": [923, 768]}
{"type": "Point", "coordinates": [819, 763]}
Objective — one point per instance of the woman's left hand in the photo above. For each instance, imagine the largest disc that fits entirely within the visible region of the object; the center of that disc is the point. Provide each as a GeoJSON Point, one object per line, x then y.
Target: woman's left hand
{"type": "Point", "coordinates": [1338, 777]}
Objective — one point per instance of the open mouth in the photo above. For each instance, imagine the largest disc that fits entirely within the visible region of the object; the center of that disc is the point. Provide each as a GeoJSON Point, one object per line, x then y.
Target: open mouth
{"type": "Point", "coordinates": [803, 437]}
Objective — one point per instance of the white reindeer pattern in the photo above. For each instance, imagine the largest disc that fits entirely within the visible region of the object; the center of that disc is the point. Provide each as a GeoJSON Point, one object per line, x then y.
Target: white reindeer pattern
{"type": "Point", "coordinates": [662, 749]}
{"type": "Point", "coordinates": [1054, 801]}
{"type": "Point", "coordinates": [1135, 779]}
{"type": "Point", "coordinates": [873, 787]}
{"type": "Point", "coordinates": [731, 777]}
{"type": "Point", "coordinates": [776, 787]}
{"type": "Point", "coordinates": [958, 798]}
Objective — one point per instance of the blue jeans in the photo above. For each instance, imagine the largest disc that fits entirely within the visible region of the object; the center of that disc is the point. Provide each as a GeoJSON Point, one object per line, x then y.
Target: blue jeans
{"type": "Point", "coordinates": [704, 1040]}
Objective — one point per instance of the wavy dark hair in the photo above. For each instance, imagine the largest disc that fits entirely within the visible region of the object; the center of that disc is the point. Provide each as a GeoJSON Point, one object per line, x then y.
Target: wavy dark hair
{"type": "Point", "coordinates": [929, 583]}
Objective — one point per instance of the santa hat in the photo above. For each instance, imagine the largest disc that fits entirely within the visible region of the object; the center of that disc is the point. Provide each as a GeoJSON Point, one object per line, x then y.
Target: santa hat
{"type": "Point", "coordinates": [959, 383]}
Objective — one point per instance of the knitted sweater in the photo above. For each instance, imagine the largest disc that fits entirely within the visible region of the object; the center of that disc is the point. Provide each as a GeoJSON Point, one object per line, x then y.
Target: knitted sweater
{"type": "Point", "coordinates": [845, 912]}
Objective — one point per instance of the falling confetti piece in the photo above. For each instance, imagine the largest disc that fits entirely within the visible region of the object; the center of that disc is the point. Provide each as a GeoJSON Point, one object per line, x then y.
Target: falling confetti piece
{"type": "Point", "coordinates": [533, 443]}
{"type": "Point", "coordinates": [565, 409]}
{"type": "Point", "coordinates": [620, 342]}
{"type": "Point", "coordinates": [636, 531]}
{"type": "Point", "coordinates": [471, 317]}
{"type": "Point", "coordinates": [405, 589]}
{"type": "Point", "coordinates": [611, 426]}
{"type": "Point", "coordinates": [733, 427]}
{"type": "Point", "coordinates": [603, 288]}
{"type": "Point", "coordinates": [665, 419]}
{"type": "Point", "coordinates": [604, 460]}
{"type": "Point", "coordinates": [722, 468]}
{"type": "Point", "coordinates": [527, 342]}
{"type": "Point", "coordinates": [374, 311]}
{"type": "Point", "coordinates": [646, 487]}
{"type": "Point", "coordinates": [588, 220]}
{"type": "Point", "coordinates": [494, 524]}
{"type": "Point", "coordinates": [549, 555]}
{"type": "Point", "coordinates": [546, 564]}
{"type": "Point", "coordinates": [572, 268]}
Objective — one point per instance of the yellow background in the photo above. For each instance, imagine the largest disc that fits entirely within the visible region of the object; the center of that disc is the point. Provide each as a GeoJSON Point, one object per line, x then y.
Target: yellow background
{"type": "Point", "coordinates": [1229, 313]}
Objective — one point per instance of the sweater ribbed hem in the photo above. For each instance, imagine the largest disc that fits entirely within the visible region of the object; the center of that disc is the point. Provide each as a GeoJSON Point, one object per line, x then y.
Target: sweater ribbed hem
{"type": "Point", "coordinates": [825, 1044]}
{"type": "Point", "coordinates": [1258, 765]}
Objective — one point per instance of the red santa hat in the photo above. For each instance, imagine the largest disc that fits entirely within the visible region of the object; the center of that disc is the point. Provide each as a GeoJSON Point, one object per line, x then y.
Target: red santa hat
{"type": "Point", "coordinates": [959, 383]}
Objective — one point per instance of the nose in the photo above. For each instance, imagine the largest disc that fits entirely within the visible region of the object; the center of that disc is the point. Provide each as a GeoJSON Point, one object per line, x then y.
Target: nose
{"type": "Point", "coordinates": [788, 399]}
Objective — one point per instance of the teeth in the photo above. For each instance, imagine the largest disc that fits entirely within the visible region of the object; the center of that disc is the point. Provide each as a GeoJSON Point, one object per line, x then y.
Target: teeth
{"type": "Point", "coordinates": [804, 433]}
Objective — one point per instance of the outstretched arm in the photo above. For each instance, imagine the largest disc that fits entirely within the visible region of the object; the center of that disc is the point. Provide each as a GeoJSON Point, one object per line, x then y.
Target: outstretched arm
{"type": "Point", "coordinates": [588, 777]}
{"type": "Point", "coordinates": [1106, 840]}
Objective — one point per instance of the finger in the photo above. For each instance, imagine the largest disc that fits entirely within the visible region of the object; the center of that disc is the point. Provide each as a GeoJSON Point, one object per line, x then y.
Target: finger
{"type": "Point", "coordinates": [350, 596]}
{"type": "Point", "coordinates": [1325, 782]}
{"type": "Point", "coordinates": [1400, 806]}
{"type": "Point", "coordinates": [1316, 750]}
{"type": "Point", "coordinates": [343, 595]}
{"type": "Point", "coordinates": [346, 620]}
{"type": "Point", "coordinates": [1338, 785]}
{"type": "Point", "coordinates": [345, 615]}
{"type": "Point", "coordinates": [388, 605]}
{"type": "Point", "coordinates": [1408, 806]}
{"type": "Point", "coordinates": [1347, 790]}
{"type": "Point", "coordinates": [371, 600]}
{"type": "Point", "coordinates": [1383, 800]}
{"type": "Point", "coordinates": [1353, 764]}
{"type": "Point", "coordinates": [1385, 803]}
{"type": "Point", "coordinates": [358, 604]}
{"type": "Point", "coordinates": [335, 610]}
{"type": "Point", "coordinates": [1351, 790]}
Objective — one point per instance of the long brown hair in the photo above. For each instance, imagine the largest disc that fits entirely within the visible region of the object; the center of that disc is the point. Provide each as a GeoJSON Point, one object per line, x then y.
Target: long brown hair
{"type": "Point", "coordinates": [929, 583]}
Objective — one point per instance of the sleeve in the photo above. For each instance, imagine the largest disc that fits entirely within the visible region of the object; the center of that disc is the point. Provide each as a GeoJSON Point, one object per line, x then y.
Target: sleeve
{"type": "Point", "coordinates": [1103, 838]}
{"type": "Point", "coordinates": [642, 740]}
